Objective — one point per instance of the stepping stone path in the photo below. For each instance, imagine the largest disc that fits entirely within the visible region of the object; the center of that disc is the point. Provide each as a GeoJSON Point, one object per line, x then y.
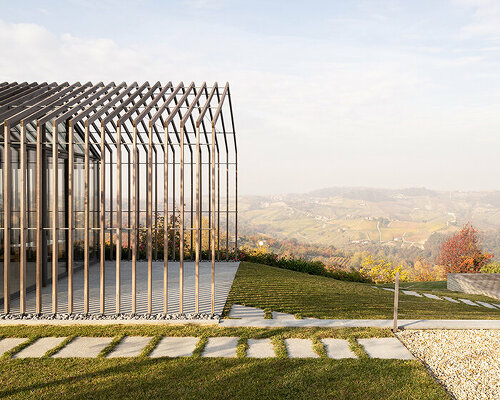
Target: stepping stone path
{"type": "Point", "coordinates": [39, 347]}
{"type": "Point", "coordinates": [130, 346]}
{"type": "Point", "coordinates": [239, 311]}
{"type": "Point", "coordinates": [432, 296]}
{"type": "Point", "coordinates": [450, 299]}
{"type": "Point", "coordinates": [387, 348]}
{"type": "Point", "coordinates": [260, 348]}
{"type": "Point", "coordinates": [221, 347]}
{"type": "Point", "coordinates": [488, 305]}
{"type": "Point", "coordinates": [338, 348]}
{"type": "Point", "coordinates": [300, 348]}
{"type": "Point", "coordinates": [411, 293]}
{"type": "Point", "coordinates": [84, 347]}
{"type": "Point", "coordinates": [470, 303]}
{"type": "Point", "coordinates": [175, 347]}
{"type": "Point", "coordinates": [8, 344]}
{"type": "Point", "coordinates": [478, 303]}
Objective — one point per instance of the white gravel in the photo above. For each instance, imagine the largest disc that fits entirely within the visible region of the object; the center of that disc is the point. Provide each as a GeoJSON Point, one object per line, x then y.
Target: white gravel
{"type": "Point", "coordinates": [109, 317]}
{"type": "Point", "coordinates": [467, 362]}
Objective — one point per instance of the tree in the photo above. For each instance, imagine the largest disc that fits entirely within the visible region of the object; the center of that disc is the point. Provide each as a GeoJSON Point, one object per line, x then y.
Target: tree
{"type": "Point", "coordinates": [462, 252]}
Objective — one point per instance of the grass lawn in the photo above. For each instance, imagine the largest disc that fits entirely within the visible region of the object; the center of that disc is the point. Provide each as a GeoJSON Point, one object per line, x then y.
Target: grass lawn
{"type": "Point", "coordinates": [424, 286]}
{"type": "Point", "coordinates": [216, 379]}
{"type": "Point", "coordinates": [293, 292]}
{"type": "Point", "coordinates": [196, 377]}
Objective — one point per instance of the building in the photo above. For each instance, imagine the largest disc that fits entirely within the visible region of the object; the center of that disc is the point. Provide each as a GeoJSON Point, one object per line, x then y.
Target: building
{"type": "Point", "coordinates": [93, 173]}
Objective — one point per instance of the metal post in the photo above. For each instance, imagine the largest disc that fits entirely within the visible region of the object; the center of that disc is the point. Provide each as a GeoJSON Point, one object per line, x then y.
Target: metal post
{"type": "Point", "coordinates": [218, 205]}
{"type": "Point", "coordinates": [7, 218]}
{"type": "Point", "coordinates": [165, 225]}
{"type": "Point", "coordinates": [213, 220]}
{"type": "Point", "coordinates": [197, 223]}
{"type": "Point", "coordinates": [156, 206]}
{"type": "Point", "coordinates": [70, 211]}
{"type": "Point", "coordinates": [135, 212]}
{"type": "Point", "coordinates": [55, 217]}
{"type": "Point", "coordinates": [149, 219]}
{"type": "Point", "coordinates": [173, 206]}
{"type": "Point", "coordinates": [102, 213]}
{"type": "Point", "coordinates": [227, 204]}
{"type": "Point", "coordinates": [86, 243]}
{"type": "Point", "coordinates": [22, 249]}
{"type": "Point", "coordinates": [396, 301]}
{"type": "Point", "coordinates": [191, 204]}
{"type": "Point", "coordinates": [235, 175]}
{"type": "Point", "coordinates": [118, 214]}
{"type": "Point", "coordinates": [181, 244]}
{"type": "Point", "coordinates": [39, 217]}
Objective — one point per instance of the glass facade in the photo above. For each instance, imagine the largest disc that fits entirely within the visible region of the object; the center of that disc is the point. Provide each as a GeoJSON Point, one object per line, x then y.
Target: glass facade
{"type": "Point", "coordinates": [47, 210]}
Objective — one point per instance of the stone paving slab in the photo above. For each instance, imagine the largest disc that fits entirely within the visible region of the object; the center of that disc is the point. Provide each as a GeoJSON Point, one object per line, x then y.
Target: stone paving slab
{"type": "Point", "coordinates": [38, 348]}
{"type": "Point", "coordinates": [84, 347]}
{"type": "Point", "coordinates": [389, 289]}
{"type": "Point", "coordinates": [432, 296]}
{"type": "Point", "coordinates": [300, 348]}
{"type": "Point", "coordinates": [221, 347]}
{"type": "Point", "coordinates": [387, 348]}
{"type": "Point", "coordinates": [175, 347]}
{"type": "Point", "coordinates": [411, 293]}
{"type": "Point", "coordinates": [130, 346]}
{"type": "Point", "coordinates": [282, 315]}
{"type": "Point", "coordinates": [8, 344]}
{"type": "Point", "coordinates": [337, 348]}
{"type": "Point", "coordinates": [239, 311]}
{"type": "Point", "coordinates": [488, 305]}
{"type": "Point", "coordinates": [450, 299]}
{"type": "Point", "coordinates": [260, 348]}
{"type": "Point", "coordinates": [469, 302]}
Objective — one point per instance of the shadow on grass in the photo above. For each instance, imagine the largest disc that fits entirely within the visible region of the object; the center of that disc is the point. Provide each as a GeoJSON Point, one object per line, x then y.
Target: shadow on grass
{"type": "Point", "coordinates": [217, 379]}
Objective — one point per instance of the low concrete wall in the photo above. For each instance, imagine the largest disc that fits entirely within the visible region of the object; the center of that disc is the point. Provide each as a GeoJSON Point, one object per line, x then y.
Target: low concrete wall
{"type": "Point", "coordinates": [485, 284]}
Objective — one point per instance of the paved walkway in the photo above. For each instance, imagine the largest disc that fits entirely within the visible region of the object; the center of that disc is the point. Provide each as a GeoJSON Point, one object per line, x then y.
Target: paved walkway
{"type": "Point", "coordinates": [242, 316]}
{"type": "Point", "coordinates": [224, 347]}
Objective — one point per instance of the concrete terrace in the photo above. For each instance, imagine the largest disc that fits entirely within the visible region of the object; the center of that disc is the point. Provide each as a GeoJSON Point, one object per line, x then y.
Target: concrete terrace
{"type": "Point", "coordinates": [224, 276]}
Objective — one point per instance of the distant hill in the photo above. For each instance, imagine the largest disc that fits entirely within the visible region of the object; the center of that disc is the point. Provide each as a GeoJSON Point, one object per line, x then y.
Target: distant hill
{"type": "Point", "coordinates": [357, 217]}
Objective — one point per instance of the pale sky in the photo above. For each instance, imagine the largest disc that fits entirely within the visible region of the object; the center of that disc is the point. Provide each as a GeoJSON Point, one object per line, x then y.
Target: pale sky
{"type": "Point", "coordinates": [326, 93]}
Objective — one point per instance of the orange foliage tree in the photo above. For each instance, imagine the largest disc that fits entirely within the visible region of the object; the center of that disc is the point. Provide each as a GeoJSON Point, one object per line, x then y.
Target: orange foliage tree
{"type": "Point", "coordinates": [462, 252]}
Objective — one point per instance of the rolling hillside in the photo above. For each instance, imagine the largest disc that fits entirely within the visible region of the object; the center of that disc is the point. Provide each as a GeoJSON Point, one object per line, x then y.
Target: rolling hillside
{"type": "Point", "coordinates": [356, 217]}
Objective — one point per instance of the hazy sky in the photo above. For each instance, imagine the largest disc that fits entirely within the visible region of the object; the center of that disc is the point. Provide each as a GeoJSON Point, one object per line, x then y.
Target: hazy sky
{"type": "Point", "coordinates": [326, 93]}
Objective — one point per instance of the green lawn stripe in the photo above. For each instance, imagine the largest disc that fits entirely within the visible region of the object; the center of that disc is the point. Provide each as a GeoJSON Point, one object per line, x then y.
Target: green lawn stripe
{"type": "Point", "coordinates": [110, 347]}
{"type": "Point", "coordinates": [59, 347]}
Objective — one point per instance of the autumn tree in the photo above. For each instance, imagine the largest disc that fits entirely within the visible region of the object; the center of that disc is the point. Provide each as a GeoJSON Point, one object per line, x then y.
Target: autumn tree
{"type": "Point", "coordinates": [462, 252]}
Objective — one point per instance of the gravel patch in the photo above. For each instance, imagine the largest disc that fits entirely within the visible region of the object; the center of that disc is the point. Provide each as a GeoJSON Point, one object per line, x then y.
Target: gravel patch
{"type": "Point", "coordinates": [109, 317]}
{"type": "Point", "coordinates": [467, 362]}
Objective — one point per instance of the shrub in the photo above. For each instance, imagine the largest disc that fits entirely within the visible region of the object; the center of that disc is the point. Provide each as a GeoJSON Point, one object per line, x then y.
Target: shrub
{"type": "Point", "coordinates": [381, 271]}
{"type": "Point", "coordinates": [491, 268]}
{"type": "Point", "coordinates": [424, 271]}
{"type": "Point", "coordinates": [264, 256]}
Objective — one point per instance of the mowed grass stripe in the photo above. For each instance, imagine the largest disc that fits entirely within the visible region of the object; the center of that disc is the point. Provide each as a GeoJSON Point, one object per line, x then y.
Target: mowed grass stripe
{"type": "Point", "coordinates": [266, 287]}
